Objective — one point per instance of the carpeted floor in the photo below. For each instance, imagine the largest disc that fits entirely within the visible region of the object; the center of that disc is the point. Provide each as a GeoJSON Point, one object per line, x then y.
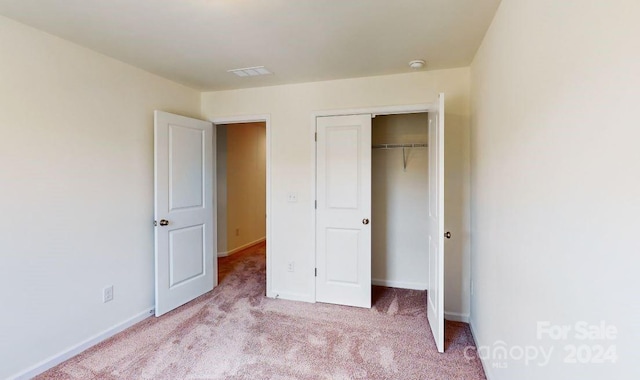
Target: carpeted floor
{"type": "Point", "coordinates": [235, 332]}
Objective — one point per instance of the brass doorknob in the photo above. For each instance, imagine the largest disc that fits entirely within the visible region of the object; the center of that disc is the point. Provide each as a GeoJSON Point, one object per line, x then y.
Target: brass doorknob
{"type": "Point", "coordinates": [164, 222]}
{"type": "Point", "coordinates": [365, 221]}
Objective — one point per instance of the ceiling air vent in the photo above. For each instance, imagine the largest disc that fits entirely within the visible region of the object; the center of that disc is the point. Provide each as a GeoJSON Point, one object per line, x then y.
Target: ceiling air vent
{"type": "Point", "coordinates": [250, 71]}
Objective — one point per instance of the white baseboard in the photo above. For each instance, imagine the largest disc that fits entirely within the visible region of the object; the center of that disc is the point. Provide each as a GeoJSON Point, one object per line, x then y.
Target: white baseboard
{"type": "Point", "coordinates": [293, 296]}
{"type": "Point", "coordinates": [485, 366]}
{"type": "Point", "coordinates": [240, 248]}
{"type": "Point", "coordinates": [456, 317]}
{"type": "Point", "coordinates": [399, 284]}
{"type": "Point", "coordinates": [82, 346]}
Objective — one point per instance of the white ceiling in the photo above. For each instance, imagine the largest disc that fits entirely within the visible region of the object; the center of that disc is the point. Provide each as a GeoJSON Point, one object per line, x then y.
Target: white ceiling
{"type": "Point", "coordinates": [195, 42]}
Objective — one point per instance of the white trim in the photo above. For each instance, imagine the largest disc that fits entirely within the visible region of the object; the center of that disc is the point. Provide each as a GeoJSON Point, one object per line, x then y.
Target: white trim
{"type": "Point", "coordinates": [242, 247]}
{"type": "Point", "coordinates": [399, 284]}
{"type": "Point", "coordinates": [456, 317]}
{"type": "Point", "coordinates": [82, 346]}
{"type": "Point", "coordinates": [266, 118]}
{"type": "Point", "coordinates": [214, 202]}
{"type": "Point", "coordinates": [375, 111]}
{"type": "Point", "coordinates": [485, 366]}
{"type": "Point", "coordinates": [293, 296]}
{"type": "Point", "coordinates": [314, 199]}
{"type": "Point", "coordinates": [241, 119]}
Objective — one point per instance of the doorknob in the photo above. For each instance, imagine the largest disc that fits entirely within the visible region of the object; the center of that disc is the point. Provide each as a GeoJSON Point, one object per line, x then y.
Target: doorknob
{"type": "Point", "coordinates": [164, 222]}
{"type": "Point", "coordinates": [365, 221]}
{"type": "Point", "coordinates": [447, 235]}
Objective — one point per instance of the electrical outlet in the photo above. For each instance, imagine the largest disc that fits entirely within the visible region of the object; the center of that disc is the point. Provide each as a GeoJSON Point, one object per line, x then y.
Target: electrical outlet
{"type": "Point", "coordinates": [107, 294]}
{"type": "Point", "coordinates": [291, 266]}
{"type": "Point", "coordinates": [237, 232]}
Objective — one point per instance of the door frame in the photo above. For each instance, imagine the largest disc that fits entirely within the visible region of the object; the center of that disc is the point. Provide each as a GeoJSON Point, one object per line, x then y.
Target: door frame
{"type": "Point", "coordinates": [374, 111]}
{"type": "Point", "coordinates": [266, 119]}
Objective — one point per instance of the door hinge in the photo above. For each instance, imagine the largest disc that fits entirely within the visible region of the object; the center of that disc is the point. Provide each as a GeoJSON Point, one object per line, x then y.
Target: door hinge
{"type": "Point", "coordinates": [316, 272]}
{"type": "Point", "coordinates": [315, 204]}
{"type": "Point", "coordinates": [315, 136]}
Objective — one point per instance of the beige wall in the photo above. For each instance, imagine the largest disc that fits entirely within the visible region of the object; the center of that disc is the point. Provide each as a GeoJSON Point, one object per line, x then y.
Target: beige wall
{"type": "Point", "coordinates": [292, 164]}
{"type": "Point", "coordinates": [246, 184]}
{"type": "Point", "coordinates": [556, 184]}
{"type": "Point", "coordinates": [399, 249]}
{"type": "Point", "coordinates": [76, 178]}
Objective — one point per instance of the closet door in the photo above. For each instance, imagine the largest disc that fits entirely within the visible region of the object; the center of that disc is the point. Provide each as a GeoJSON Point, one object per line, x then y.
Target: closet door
{"type": "Point", "coordinates": [343, 230]}
{"type": "Point", "coordinates": [435, 291]}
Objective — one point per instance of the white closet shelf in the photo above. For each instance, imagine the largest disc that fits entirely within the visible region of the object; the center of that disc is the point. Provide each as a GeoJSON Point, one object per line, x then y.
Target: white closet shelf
{"type": "Point", "coordinates": [403, 146]}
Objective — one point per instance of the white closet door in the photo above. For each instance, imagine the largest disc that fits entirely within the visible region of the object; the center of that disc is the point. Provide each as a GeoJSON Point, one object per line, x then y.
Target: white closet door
{"type": "Point", "coordinates": [435, 291]}
{"type": "Point", "coordinates": [184, 210]}
{"type": "Point", "coordinates": [343, 235]}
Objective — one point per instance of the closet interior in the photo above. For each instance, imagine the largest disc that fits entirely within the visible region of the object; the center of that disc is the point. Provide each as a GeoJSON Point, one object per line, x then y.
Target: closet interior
{"type": "Point", "coordinates": [400, 183]}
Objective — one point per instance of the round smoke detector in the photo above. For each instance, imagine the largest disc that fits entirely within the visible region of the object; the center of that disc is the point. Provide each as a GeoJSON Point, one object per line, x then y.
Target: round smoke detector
{"type": "Point", "coordinates": [417, 64]}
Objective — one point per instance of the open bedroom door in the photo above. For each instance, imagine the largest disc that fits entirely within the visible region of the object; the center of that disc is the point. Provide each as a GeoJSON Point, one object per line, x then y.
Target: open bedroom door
{"type": "Point", "coordinates": [435, 290]}
{"type": "Point", "coordinates": [185, 239]}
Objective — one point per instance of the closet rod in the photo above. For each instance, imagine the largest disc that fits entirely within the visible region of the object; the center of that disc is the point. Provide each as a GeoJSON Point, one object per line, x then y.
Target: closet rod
{"type": "Point", "coordinates": [404, 153]}
{"type": "Point", "coordinates": [391, 146]}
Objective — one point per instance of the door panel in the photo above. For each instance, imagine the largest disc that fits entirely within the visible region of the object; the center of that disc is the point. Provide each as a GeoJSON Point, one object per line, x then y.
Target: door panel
{"type": "Point", "coordinates": [186, 166]}
{"type": "Point", "coordinates": [435, 292]}
{"type": "Point", "coordinates": [342, 166]}
{"type": "Point", "coordinates": [186, 254]}
{"type": "Point", "coordinates": [343, 259]}
{"type": "Point", "coordinates": [185, 199]}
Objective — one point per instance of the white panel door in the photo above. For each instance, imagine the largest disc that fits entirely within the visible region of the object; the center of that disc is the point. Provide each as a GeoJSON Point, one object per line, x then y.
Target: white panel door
{"type": "Point", "coordinates": [343, 231]}
{"type": "Point", "coordinates": [184, 210]}
{"type": "Point", "coordinates": [435, 291]}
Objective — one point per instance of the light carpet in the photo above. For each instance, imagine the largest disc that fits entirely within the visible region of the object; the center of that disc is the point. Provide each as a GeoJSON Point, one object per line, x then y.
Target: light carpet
{"type": "Point", "coordinates": [235, 332]}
